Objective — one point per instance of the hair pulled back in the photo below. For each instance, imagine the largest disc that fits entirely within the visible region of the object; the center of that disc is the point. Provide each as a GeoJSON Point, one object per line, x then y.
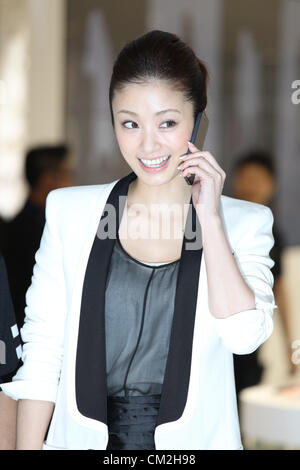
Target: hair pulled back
{"type": "Point", "coordinates": [164, 56]}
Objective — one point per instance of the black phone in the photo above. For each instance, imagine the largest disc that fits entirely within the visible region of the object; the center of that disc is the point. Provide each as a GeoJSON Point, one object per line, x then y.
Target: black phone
{"type": "Point", "coordinates": [198, 138]}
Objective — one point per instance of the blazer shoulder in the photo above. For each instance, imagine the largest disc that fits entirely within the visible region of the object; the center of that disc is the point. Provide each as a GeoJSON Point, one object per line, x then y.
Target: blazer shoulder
{"type": "Point", "coordinates": [75, 202]}
{"type": "Point", "coordinates": [81, 196]}
{"type": "Point", "coordinates": [73, 193]}
{"type": "Point", "coordinates": [234, 207]}
{"type": "Point", "coordinates": [241, 217]}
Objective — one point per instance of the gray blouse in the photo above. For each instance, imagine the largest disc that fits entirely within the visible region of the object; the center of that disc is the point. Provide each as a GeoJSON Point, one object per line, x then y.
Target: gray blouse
{"type": "Point", "coordinates": [139, 306]}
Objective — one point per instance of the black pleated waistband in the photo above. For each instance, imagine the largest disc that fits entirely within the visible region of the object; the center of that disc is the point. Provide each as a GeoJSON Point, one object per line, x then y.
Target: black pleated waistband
{"type": "Point", "coordinates": [131, 421]}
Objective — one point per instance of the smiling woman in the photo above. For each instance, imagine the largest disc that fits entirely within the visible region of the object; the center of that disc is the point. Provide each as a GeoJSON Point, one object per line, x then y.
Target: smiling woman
{"type": "Point", "coordinates": [154, 99]}
{"type": "Point", "coordinates": [132, 338]}
{"type": "Point", "coordinates": [154, 132]}
{"type": "Point", "coordinates": [157, 88]}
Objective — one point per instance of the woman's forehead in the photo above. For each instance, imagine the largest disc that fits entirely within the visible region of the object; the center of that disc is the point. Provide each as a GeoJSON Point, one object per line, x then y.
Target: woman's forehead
{"type": "Point", "coordinates": [149, 86]}
{"type": "Point", "coordinates": [157, 94]}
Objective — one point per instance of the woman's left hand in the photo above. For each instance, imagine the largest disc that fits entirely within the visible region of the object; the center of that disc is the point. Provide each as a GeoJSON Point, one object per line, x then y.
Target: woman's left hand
{"type": "Point", "coordinates": [208, 183]}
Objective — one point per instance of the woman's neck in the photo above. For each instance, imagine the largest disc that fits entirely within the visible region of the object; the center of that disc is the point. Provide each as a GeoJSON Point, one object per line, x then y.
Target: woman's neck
{"type": "Point", "coordinates": [173, 192]}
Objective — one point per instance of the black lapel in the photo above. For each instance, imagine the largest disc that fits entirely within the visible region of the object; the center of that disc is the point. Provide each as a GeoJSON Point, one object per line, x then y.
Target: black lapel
{"type": "Point", "coordinates": [90, 380]}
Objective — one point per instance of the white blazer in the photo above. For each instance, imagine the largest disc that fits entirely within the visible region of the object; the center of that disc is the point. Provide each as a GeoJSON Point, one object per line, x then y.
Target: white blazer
{"type": "Point", "coordinates": [64, 351]}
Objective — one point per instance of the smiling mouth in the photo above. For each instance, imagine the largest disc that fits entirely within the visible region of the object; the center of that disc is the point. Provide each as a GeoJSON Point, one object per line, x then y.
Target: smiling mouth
{"type": "Point", "coordinates": [155, 162]}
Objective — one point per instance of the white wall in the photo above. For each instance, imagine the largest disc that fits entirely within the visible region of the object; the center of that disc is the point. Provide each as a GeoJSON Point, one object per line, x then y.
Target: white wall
{"type": "Point", "coordinates": [32, 77]}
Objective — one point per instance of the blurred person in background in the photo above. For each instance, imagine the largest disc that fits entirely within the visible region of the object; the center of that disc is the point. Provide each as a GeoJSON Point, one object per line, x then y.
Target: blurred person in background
{"type": "Point", "coordinates": [46, 168]}
{"type": "Point", "coordinates": [10, 354]}
{"type": "Point", "coordinates": [254, 180]}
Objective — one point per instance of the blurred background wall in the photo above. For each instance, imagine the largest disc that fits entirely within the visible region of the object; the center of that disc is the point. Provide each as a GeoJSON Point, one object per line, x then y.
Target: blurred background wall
{"type": "Point", "coordinates": [32, 88]}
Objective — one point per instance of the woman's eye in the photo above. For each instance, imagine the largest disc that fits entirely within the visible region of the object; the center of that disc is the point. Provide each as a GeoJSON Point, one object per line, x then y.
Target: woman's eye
{"type": "Point", "coordinates": [128, 122]}
{"type": "Point", "coordinates": [133, 125]}
{"type": "Point", "coordinates": [170, 123]}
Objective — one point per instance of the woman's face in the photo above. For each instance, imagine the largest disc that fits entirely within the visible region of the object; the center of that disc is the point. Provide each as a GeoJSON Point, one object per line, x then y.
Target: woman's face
{"type": "Point", "coordinates": [152, 120]}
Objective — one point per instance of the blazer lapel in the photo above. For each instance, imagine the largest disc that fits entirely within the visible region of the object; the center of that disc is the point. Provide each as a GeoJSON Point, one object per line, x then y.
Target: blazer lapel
{"type": "Point", "coordinates": [90, 369]}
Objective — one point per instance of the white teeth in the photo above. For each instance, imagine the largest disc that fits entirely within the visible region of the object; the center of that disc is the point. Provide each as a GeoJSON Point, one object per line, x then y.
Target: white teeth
{"type": "Point", "coordinates": [156, 162]}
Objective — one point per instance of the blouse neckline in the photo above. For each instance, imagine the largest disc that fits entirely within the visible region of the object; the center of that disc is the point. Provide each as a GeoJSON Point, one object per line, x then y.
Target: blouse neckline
{"type": "Point", "coordinates": [150, 265]}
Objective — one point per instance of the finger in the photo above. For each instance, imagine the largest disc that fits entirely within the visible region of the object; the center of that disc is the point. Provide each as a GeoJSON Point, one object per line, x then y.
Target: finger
{"type": "Point", "coordinates": [213, 162]}
{"type": "Point", "coordinates": [192, 147]}
{"type": "Point", "coordinates": [201, 160]}
{"type": "Point", "coordinates": [197, 171]}
{"type": "Point", "coordinates": [199, 154]}
{"type": "Point", "coordinates": [209, 156]}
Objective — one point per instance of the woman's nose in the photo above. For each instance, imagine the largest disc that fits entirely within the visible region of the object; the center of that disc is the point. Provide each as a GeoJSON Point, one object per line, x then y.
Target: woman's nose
{"type": "Point", "coordinates": [149, 142]}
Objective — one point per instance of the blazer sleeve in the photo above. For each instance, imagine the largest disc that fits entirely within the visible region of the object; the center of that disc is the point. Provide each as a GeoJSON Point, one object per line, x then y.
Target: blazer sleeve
{"type": "Point", "coordinates": [45, 312]}
{"type": "Point", "coordinates": [243, 332]}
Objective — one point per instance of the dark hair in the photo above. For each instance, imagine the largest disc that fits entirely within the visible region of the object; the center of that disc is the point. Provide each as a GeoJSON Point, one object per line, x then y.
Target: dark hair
{"type": "Point", "coordinates": [164, 56]}
{"type": "Point", "coordinates": [42, 159]}
{"type": "Point", "coordinates": [258, 157]}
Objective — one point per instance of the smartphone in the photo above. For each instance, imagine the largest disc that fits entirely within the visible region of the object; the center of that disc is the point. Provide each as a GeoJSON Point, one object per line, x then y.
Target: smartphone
{"type": "Point", "coordinates": [198, 138]}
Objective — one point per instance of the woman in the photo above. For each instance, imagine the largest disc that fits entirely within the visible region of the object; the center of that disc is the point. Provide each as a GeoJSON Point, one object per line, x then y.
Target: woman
{"type": "Point", "coordinates": [129, 336]}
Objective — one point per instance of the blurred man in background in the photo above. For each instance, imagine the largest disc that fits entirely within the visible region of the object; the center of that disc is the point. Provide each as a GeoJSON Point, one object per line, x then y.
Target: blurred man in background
{"type": "Point", "coordinates": [46, 168]}
{"type": "Point", "coordinates": [254, 180]}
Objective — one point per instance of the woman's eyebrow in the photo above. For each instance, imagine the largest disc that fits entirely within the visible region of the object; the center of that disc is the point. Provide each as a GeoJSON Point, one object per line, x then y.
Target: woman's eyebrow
{"type": "Point", "coordinates": [159, 112]}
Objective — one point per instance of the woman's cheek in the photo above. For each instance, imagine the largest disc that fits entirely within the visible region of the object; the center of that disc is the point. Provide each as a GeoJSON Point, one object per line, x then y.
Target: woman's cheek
{"type": "Point", "coordinates": [125, 143]}
{"type": "Point", "coordinates": [179, 142]}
